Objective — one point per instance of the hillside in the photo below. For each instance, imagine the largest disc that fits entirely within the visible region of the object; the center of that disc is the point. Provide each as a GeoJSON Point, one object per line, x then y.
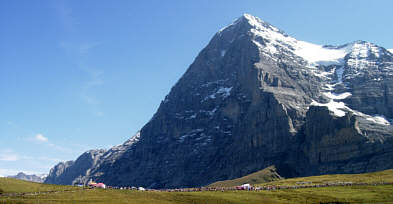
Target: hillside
{"type": "Point", "coordinates": [270, 177]}
{"type": "Point", "coordinates": [12, 185]}
{"type": "Point", "coordinates": [385, 176]}
{"type": "Point", "coordinates": [266, 175]}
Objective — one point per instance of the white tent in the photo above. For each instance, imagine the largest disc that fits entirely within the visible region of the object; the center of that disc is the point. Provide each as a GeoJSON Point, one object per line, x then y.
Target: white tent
{"type": "Point", "coordinates": [246, 186]}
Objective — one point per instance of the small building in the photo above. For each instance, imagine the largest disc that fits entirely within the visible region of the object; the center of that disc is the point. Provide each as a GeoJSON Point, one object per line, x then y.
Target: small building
{"type": "Point", "coordinates": [96, 185]}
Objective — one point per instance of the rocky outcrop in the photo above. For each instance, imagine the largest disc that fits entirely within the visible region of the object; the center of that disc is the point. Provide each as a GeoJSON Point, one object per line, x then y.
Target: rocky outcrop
{"type": "Point", "coordinates": [256, 97]}
{"type": "Point", "coordinates": [345, 144]}
{"type": "Point", "coordinates": [70, 172]}
{"type": "Point", "coordinates": [79, 171]}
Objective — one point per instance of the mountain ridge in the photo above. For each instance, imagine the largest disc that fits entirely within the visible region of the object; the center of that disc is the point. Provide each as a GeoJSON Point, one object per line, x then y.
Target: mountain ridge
{"type": "Point", "coordinates": [256, 97]}
{"type": "Point", "coordinates": [40, 178]}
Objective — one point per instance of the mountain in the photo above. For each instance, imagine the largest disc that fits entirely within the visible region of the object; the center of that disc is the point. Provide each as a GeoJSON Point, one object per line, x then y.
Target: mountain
{"type": "Point", "coordinates": [256, 97]}
{"type": "Point", "coordinates": [34, 178]}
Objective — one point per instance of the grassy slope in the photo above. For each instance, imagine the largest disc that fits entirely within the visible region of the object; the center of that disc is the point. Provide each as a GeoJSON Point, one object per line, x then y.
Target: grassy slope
{"type": "Point", "coordinates": [364, 194]}
{"type": "Point", "coordinates": [374, 177]}
{"type": "Point", "coordinates": [262, 176]}
{"type": "Point", "coordinates": [11, 185]}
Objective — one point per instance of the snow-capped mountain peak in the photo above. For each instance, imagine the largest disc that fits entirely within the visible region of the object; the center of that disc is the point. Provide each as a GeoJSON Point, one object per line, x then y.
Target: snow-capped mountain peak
{"type": "Point", "coordinates": [259, 24]}
{"type": "Point", "coordinates": [272, 41]}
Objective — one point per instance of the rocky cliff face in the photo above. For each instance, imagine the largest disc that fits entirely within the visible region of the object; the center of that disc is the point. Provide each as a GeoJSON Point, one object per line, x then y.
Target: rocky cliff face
{"type": "Point", "coordinates": [70, 172]}
{"type": "Point", "coordinates": [256, 97]}
{"type": "Point", "coordinates": [79, 171]}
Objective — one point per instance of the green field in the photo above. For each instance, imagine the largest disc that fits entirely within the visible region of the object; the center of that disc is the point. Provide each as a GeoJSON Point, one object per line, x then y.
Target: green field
{"type": "Point", "coordinates": [354, 194]}
{"type": "Point", "coordinates": [370, 178]}
{"type": "Point", "coordinates": [351, 194]}
{"type": "Point", "coordinates": [11, 185]}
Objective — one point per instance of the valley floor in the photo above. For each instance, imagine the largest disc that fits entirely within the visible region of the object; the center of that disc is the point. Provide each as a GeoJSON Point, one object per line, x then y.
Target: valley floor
{"type": "Point", "coordinates": [341, 194]}
{"type": "Point", "coordinates": [374, 187]}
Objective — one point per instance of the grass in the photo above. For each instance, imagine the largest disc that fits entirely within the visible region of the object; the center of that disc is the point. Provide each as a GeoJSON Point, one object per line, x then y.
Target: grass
{"type": "Point", "coordinates": [128, 196]}
{"type": "Point", "coordinates": [351, 194]}
{"type": "Point", "coordinates": [354, 194]}
{"type": "Point", "coordinates": [374, 177]}
{"type": "Point", "coordinates": [262, 176]}
{"type": "Point", "coordinates": [11, 185]}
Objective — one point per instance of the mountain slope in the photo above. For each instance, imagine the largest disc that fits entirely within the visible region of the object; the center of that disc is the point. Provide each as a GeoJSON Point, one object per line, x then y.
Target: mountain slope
{"type": "Point", "coordinates": [78, 171]}
{"type": "Point", "coordinates": [256, 97]}
{"type": "Point", "coordinates": [71, 172]}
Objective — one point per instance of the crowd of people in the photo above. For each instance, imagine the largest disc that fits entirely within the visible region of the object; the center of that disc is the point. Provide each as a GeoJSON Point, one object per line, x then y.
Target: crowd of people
{"type": "Point", "coordinates": [248, 187]}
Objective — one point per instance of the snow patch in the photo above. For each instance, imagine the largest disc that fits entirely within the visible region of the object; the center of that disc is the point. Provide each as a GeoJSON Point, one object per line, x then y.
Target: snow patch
{"type": "Point", "coordinates": [223, 53]}
{"type": "Point", "coordinates": [390, 50]}
{"type": "Point", "coordinates": [192, 133]}
{"type": "Point", "coordinates": [379, 119]}
{"type": "Point", "coordinates": [329, 87]}
{"type": "Point", "coordinates": [337, 96]}
{"type": "Point", "coordinates": [339, 108]}
{"type": "Point", "coordinates": [224, 92]}
{"type": "Point", "coordinates": [320, 55]}
{"type": "Point", "coordinates": [336, 107]}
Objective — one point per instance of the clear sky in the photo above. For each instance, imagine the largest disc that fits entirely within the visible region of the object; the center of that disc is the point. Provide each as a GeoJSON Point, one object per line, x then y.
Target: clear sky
{"type": "Point", "coordinates": [77, 75]}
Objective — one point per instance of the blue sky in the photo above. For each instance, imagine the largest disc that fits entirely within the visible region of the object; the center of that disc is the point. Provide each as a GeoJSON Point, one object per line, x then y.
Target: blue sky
{"type": "Point", "coordinates": [77, 75]}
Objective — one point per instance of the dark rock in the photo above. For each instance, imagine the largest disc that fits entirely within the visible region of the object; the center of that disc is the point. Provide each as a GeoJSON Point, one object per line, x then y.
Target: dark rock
{"type": "Point", "coordinates": [70, 172]}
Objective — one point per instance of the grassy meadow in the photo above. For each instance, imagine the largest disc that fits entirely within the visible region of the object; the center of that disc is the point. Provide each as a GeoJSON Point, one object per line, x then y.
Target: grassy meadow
{"type": "Point", "coordinates": [11, 185]}
{"type": "Point", "coordinates": [343, 194]}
